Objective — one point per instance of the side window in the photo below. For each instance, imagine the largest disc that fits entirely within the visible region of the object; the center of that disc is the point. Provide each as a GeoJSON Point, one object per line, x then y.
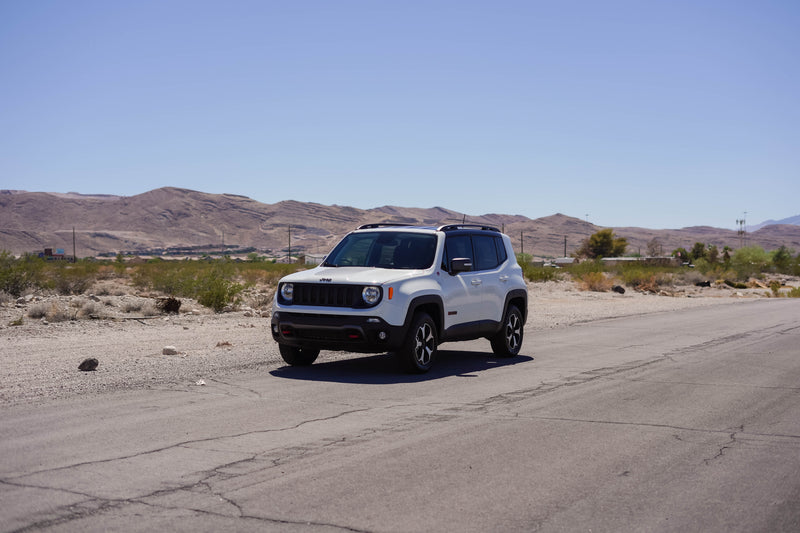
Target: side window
{"type": "Point", "coordinates": [485, 252]}
{"type": "Point", "coordinates": [456, 246]}
{"type": "Point", "coordinates": [502, 255]}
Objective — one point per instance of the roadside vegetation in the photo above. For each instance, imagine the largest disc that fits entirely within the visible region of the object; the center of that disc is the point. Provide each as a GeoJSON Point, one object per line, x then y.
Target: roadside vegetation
{"type": "Point", "coordinates": [223, 283]}
{"type": "Point", "coordinates": [214, 283]}
{"type": "Point", "coordinates": [703, 265]}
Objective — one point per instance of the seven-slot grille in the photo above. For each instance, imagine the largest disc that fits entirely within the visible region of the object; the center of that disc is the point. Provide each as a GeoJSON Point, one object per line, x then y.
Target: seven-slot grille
{"type": "Point", "coordinates": [327, 295]}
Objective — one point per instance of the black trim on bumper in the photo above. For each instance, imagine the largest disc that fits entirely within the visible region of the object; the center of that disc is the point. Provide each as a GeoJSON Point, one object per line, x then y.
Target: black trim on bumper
{"type": "Point", "coordinates": [336, 332]}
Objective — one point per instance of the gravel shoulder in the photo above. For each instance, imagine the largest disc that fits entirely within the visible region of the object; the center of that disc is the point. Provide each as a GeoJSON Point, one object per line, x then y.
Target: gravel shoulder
{"type": "Point", "coordinates": [40, 357]}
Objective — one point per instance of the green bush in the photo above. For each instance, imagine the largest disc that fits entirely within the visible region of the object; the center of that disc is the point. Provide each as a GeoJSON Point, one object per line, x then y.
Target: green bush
{"type": "Point", "coordinates": [775, 287]}
{"type": "Point", "coordinates": [213, 283]}
{"type": "Point", "coordinates": [749, 261]}
{"type": "Point", "coordinates": [577, 270]}
{"type": "Point", "coordinates": [70, 278]}
{"type": "Point", "coordinates": [215, 289]}
{"type": "Point", "coordinates": [18, 275]}
{"type": "Point", "coordinates": [539, 274]}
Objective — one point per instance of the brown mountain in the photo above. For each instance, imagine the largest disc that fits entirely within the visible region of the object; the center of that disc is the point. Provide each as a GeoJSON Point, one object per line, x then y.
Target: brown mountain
{"type": "Point", "coordinates": [180, 218]}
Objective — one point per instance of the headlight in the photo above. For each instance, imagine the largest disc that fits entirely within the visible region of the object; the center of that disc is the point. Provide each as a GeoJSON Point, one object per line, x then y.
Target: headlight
{"type": "Point", "coordinates": [371, 295]}
{"type": "Point", "coordinates": [287, 292]}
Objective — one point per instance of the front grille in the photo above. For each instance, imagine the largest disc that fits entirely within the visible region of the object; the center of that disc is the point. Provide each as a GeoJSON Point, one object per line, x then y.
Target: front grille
{"type": "Point", "coordinates": [327, 295]}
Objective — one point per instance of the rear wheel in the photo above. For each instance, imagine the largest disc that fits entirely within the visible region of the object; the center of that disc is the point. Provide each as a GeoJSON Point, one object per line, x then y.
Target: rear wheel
{"type": "Point", "coordinates": [296, 356]}
{"type": "Point", "coordinates": [508, 340]}
{"type": "Point", "coordinates": [419, 350]}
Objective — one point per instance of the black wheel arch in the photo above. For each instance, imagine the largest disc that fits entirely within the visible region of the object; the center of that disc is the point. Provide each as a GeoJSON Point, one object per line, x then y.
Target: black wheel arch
{"type": "Point", "coordinates": [519, 298]}
{"type": "Point", "coordinates": [431, 304]}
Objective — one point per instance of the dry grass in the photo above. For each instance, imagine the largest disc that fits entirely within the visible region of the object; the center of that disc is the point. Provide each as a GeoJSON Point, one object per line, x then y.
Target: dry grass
{"type": "Point", "coordinates": [595, 281]}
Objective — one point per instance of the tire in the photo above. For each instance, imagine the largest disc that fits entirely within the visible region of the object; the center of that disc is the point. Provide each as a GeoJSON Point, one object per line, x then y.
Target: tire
{"type": "Point", "coordinates": [295, 356]}
{"type": "Point", "coordinates": [420, 348]}
{"type": "Point", "coordinates": [508, 341]}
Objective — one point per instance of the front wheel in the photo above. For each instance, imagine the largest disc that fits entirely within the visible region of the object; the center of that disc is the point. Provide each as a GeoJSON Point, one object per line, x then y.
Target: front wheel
{"type": "Point", "coordinates": [419, 350]}
{"type": "Point", "coordinates": [508, 340]}
{"type": "Point", "coordinates": [296, 356]}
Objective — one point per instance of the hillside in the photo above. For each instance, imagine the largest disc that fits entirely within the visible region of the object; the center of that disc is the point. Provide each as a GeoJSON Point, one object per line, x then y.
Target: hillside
{"type": "Point", "coordinates": [171, 217]}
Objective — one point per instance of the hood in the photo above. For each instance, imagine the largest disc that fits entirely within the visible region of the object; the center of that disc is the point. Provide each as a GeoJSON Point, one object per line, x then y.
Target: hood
{"type": "Point", "coordinates": [354, 275]}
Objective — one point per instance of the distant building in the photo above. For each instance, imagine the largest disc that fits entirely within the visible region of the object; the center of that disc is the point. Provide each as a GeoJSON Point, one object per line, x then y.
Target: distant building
{"type": "Point", "coordinates": [49, 255]}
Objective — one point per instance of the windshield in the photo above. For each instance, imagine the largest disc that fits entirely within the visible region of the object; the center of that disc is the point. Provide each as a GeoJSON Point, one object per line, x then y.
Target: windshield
{"type": "Point", "coordinates": [384, 249]}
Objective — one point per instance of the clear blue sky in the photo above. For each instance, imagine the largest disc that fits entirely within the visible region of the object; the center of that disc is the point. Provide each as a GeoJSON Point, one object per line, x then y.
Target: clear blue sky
{"type": "Point", "coordinates": [660, 114]}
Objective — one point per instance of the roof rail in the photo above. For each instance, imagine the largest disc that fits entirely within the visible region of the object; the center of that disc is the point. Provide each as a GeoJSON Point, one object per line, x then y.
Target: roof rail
{"type": "Point", "coordinates": [452, 227]}
{"type": "Point", "coordinates": [382, 225]}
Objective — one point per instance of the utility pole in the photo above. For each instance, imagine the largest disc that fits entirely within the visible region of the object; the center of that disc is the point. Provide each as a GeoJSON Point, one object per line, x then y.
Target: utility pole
{"type": "Point", "coordinates": [74, 250]}
{"type": "Point", "coordinates": [290, 244]}
{"type": "Point", "coordinates": [565, 246]}
{"type": "Point", "coordinates": [521, 242]}
{"type": "Point", "coordinates": [742, 231]}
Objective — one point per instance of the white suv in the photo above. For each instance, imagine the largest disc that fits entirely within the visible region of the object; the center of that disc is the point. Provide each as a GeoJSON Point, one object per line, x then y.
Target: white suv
{"type": "Point", "coordinates": [404, 289]}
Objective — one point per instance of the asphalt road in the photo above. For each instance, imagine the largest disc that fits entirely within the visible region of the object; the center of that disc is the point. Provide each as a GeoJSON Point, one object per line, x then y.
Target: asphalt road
{"type": "Point", "coordinates": [667, 422]}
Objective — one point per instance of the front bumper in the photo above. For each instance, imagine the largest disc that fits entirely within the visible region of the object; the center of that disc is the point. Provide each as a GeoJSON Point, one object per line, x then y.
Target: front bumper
{"type": "Point", "coordinates": [336, 332]}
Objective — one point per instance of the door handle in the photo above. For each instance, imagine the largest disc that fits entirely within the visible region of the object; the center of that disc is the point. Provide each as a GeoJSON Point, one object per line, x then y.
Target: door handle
{"type": "Point", "coordinates": [504, 278]}
{"type": "Point", "coordinates": [476, 282]}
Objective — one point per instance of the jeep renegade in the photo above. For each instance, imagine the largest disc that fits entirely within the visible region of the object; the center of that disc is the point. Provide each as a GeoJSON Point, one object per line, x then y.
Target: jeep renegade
{"type": "Point", "coordinates": [404, 289]}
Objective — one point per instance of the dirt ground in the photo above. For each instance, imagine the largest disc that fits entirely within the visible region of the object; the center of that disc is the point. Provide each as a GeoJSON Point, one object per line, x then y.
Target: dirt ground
{"type": "Point", "coordinates": [44, 338]}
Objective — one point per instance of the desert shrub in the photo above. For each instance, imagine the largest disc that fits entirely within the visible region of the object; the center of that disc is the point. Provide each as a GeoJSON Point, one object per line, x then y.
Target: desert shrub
{"type": "Point", "coordinates": [650, 284]}
{"type": "Point", "coordinates": [216, 291]}
{"type": "Point", "coordinates": [5, 298]}
{"type": "Point", "coordinates": [213, 283]}
{"type": "Point", "coordinates": [578, 270]}
{"type": "Point", "coordinates": [69, 278]}
{"type": "Point", "coordinates": [56, 313]}
{"type": "Point", "coordinates": [37, 310]}
{"type": "Point", "coordinates": [595, 281]}
{"type": "Point", "coordinates": [131, 306]}
{"type": "Point", "coordinates": [781, 260]}
{"type": "Point", "coordinates": [16, 322]}
{"type": "Point", "coordinates": [150, 308]}
{"type": "Point", "coordinates": [539, 274]}
{"type": "Point", "coordinates": [692, 276]}
{"type": "Point", "coordinates": [264, 273]}
{"type": "Point", "coordinates": [708, 268]}
{"type": "Point", "coordinates": [52, 312]}
{"type": "Point", "coordinates": [749, 261]}
{"type": "Point", "coordinates": [173, 278]}
{"type": "Point", "coordinates": [794, 293]}
{"type": "Point", "coordinates": [18, 275]}
{"type": "Point", "coordinates": [637, 275]}
{"type": "Point", "coordinates": [90, 309]}
{"type": "Point", "coordinates": [775, 287]}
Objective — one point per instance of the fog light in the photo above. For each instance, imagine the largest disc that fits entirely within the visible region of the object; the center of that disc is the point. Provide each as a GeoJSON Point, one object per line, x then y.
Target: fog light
{"type": "Point", "coordinates": [382, 335]}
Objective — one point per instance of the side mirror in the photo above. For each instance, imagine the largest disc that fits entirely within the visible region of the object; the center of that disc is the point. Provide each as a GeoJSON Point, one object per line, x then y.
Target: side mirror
{"type": "Point", "coordinates": [460, 264]}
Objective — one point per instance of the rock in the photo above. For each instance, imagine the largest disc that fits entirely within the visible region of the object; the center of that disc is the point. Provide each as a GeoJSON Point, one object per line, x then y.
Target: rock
{"type": "Point", "coordinates": [703, 284]}
{"type": "Point", "coordinates": [88, 365]}
{"type": "Point", "coordinates": [619, 289]}
{"type": "Point", "coordinates": [169, 350]}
